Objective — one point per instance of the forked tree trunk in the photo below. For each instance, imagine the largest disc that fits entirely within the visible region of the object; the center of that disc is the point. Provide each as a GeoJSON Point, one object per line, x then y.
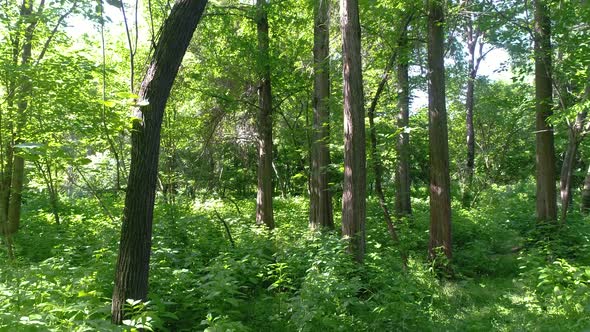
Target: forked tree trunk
{"type": "Point", "coordinates": [321, 214]}
{"type": "Point", "coordinates": [567, 168]}
{"type": "Point", "coordinates": [545, 150]}
{"type": "Point", "coordinates": [264, 211]}
{"type": "Point", "coordinates": [440, 199]}
{"type": "Point", "coordinates": [354, 194]}
{"type": "Point", "coordinates": [576, 134]}
{"type": "Point", "coordinates": [131, 280]}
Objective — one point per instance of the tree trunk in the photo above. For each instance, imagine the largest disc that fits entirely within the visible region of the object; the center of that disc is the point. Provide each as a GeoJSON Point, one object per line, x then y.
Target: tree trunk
{"type": "Point", "coordinates": [472, 39]}
{"type": "Point", "coordinates": [585, 206]}
{"type": "Point", "coordinates": [354, 194]}
{"type": "Point", "coordinates": [576, 134]}
{"type": "Point", "coordinates": [25, 90]}
{"type": "Point", "coordinates": [545, 150]}
{"type": "Point", "coordinates": [376, 159]}
{"type": "Point", "coordinates": [403, 205]}
{"type": "Point", "coordinates": [131, 280]}
{"type": "Point", "coordinates": [321, 215]}
{"type": "Point", "coordinates": [569, 159]}
{"type": "Point", "coordinates": [440, 199]}
{"type": "Point", "coordinates": [264, 211]}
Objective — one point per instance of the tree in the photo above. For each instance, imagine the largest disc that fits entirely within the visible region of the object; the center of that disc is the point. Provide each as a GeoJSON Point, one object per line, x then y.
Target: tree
{"type": "Point", "coordinates": [264, 211]}
{"type": "Point", "coordinates": [354, 193]}
{"type": "Point", "coordinates": [131, 280]}
{"type": "Point", "coordinates": [321, 214]}
{"type": "Point", "coordinates": [402, 192]}
{"type": "Point", "coordinates": [475, 47]}
{"type": "Point", "coordinates": [440, 198]}
{"type": "Point", "coordinates": [571, 86]}
{"type": "Point", "coordinates": [545, 150]}
{"type": "Point", "coordinates": [403, 205]}
{"type": "Point", "coordinates": [20, 89]}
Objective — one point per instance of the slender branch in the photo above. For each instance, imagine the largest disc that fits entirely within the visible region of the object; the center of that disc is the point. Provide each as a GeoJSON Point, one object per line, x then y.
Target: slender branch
{"type": "Point", "coordinates": [95, 194]}
{"type": "Point", "coordinates": [54, 31]}
{"type": "Point", "coordinates": [131, 50]}
{"type": "Point", "coordinates": [511, 21]}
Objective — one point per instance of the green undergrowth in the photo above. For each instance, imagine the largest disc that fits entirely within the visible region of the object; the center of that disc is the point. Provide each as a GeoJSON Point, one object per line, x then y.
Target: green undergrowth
{"type": "Point", "coordinates": [508, 274]}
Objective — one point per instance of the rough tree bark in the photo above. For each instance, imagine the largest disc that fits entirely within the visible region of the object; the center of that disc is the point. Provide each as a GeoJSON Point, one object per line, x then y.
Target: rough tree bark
{"type": "Point", "coordinates": [440, 199]}
{"type": "Point", "coordinates": [355, 174]}
{"type": "Point", "coordinates": [264, 211]}
{"type": "Point", "coordinates": [131, 280]}
{"type": "Point", "coordinates": [321, 214]}
{"type": "Point", "coordinates": [545, 149]}
{"type": "Point", "coordinates": [403, 205]}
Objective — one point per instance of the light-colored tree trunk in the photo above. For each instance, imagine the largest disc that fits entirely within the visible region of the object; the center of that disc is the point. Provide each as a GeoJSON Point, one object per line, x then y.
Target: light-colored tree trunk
{"type": "Point", "coordinates": [576, 133]}
{"type": "Point", "coordinates": [585, 205]}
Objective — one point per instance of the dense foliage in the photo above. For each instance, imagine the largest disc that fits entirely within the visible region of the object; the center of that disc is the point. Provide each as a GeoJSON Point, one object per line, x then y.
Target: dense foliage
{"type": "Point", "coordinates": [508, 277]}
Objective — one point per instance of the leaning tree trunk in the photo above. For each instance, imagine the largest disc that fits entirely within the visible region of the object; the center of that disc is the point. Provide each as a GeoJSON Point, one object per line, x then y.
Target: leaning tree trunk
{"type": "Point", "coordinates": [440, 198]}
{"type": "Point", "coordinates": [545, 149]}
{"type": "Point", "coordinates": [354, 194]}
{"type": "Point", "coordinates": [374, 154]}
{"type": "Point", "coordinates": [264, 211]}
{"type": "Point", "coordinates": [131, 280]}
{"type": "Point", "coordinates": [321, 215]}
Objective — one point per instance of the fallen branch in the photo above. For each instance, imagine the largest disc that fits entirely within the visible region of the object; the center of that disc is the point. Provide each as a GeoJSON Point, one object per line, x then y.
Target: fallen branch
{"type": "Point", "coordinates": [225, 225]}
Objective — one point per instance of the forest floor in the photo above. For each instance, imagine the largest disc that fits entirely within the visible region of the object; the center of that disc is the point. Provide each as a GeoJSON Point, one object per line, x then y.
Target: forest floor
{"type": "Point", "coordinates": [508, 274]}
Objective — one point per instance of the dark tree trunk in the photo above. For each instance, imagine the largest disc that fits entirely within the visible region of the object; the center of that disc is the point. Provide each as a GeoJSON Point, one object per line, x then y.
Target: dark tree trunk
{"type": "Point", "coordinates": [321, 215]}
{"type": "Point", "coordinates": [403, 205]}
{"type": "Point", "coordinates": [545, 150]}
{"type": "Point", "coordinates": [264, 212]}
{"type": "Point", "coordinates": [440, 199]}
{"type": "Point", "coordinates": [354, 194]}
{"type": "Point", "coordinates": [131, 280]}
